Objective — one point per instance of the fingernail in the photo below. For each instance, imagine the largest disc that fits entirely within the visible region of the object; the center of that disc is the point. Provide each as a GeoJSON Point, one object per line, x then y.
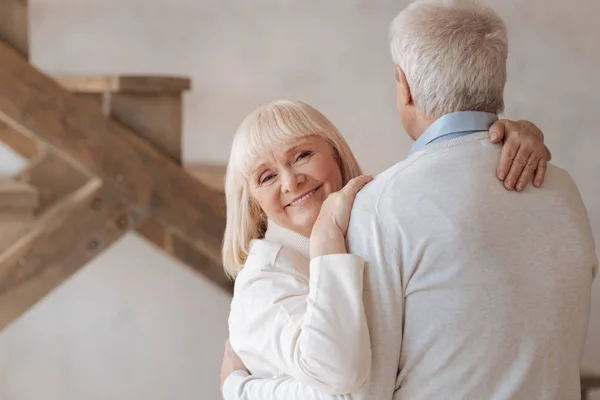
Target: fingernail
{"type": "Point", "coordinates": [501, 175]}
{"type": "Point", "coordinates": [509, 185]}
{"type": "Point", "coordinates": [537, 183]}
{"type": "Point", "coordinates": [494, 136]}
{"type": "Point", "coordinates": [519, 187]}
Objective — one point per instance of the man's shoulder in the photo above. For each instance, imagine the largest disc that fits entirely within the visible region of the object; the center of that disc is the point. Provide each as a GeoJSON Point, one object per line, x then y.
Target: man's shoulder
{"type": "Point", "coordinates": [401, 175]}
{"type": "Point", "coordinates": [558, 175]}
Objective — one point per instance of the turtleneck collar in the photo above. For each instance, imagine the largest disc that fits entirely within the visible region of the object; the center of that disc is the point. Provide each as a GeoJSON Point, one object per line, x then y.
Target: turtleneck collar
{"type": "Point", "coordinates": [288, 238]}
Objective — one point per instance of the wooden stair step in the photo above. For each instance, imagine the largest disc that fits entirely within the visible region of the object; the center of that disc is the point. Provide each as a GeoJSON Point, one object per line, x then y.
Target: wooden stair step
{"type": "Point", "coordinates": [14, 24]}
{"type": "Point", "coordinates": [138, 176]}
{"type": "Point", "coordinates": [212, 175]}
{"type": "Point", "coordinates": [152, 106]}
{"type": "Point", "coordinates": [17, 210]}
{"type": "Point", "coordinates": [14, 223]}
{"type": "Point", "coordinates": [140, 84]}
{"type": "Point", "coordinates": [25, 146]}
{"type": "Point", "coordinates": [17, 195]}
{"type": "Point", "coordinates": [589, 383]}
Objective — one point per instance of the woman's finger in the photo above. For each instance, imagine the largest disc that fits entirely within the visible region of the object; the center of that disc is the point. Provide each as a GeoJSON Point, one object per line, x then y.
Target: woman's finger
{"type": "Point", "coordinates": [540, 172]}
{"type": "Point", "coordinates": [528, 171]}
{"type": "Point", "coordinates": [353, 187]}
{"type": "Point", "coordinates": [507, 155]}
{"type": "Point", "coordinates": [497, 131]}
{"type": "Point", "coordinates": [516, 168]}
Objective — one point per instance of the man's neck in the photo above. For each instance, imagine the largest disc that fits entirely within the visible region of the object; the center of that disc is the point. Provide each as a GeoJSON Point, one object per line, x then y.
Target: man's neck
{"type": "Point", "coordinates": [451, 126]}
{"type": "Point", "coordinates": [420, 126]}
{"type": "Point", "coordinates": [423, 122]}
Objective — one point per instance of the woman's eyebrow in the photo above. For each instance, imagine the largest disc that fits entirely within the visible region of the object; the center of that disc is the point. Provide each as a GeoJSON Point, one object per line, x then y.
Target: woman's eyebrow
{"type": "Point", "coordinates": [258, 168]}
{"type": "Point", "coordinates": [296, 147]}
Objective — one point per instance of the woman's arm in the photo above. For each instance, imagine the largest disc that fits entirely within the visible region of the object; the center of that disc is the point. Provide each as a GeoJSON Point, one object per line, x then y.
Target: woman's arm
{"type": "Point", "coordinates": [315, 331]}
{"type": "Point", "coordinates": [241, 386]}
{"type": "Point", "coordinates": [238, 384]}
{"type": "Point", "coordinates": [524, 155]}
{"type": "Point", "coordinates": [320, 336]}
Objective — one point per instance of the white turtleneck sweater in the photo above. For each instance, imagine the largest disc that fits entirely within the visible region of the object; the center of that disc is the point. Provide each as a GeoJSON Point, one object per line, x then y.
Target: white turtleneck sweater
{"type": "Point", "coordinates": [299, 318]}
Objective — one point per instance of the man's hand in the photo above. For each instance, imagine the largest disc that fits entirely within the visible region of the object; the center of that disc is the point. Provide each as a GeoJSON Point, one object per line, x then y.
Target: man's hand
{"type": "Point", "coordinates": [523, 154]}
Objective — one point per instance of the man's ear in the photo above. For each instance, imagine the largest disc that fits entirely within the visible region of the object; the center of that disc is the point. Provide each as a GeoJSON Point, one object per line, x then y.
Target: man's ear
{"type": "Point", "coordinates": [403, 86]}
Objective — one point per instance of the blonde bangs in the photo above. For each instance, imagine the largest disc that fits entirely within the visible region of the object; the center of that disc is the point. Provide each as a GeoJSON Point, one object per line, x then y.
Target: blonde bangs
{"type": "Point", "coordinates": [276, 123]}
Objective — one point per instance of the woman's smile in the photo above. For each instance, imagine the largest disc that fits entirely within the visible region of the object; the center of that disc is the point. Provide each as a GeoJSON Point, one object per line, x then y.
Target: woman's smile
{"type": "Point", "coordinates": [303, 199]}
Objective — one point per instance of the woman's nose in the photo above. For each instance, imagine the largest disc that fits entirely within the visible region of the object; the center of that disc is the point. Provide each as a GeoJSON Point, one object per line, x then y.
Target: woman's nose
{"type": "Point", "coordinates": [292, 180]}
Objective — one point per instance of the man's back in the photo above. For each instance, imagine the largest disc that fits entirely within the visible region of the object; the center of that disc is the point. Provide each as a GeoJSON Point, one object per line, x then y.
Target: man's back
{"type": "Point", "coordinates": [473, 292]}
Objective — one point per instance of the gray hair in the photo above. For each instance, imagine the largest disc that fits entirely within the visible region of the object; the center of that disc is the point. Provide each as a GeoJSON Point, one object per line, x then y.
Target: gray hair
{"type": "Point", "coordinates": [453, 53]}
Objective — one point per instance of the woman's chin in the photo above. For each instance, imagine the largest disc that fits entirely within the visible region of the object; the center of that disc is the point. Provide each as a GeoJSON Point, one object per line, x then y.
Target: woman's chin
{"type": "Point", "coordinates": [304, 221]}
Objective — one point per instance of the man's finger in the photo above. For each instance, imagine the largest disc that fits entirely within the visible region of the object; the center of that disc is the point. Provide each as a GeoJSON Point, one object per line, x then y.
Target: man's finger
{"type": "Point", "coordinates": [497, 131]}
{"type": "Point", "coordinates": [528, 171]}
{"type": "Point", "coordinates": [519, 163]}
{"type": "Point", "coordinates": [508, 154]}
{"type": "Point", "coordinates": [540, 172]}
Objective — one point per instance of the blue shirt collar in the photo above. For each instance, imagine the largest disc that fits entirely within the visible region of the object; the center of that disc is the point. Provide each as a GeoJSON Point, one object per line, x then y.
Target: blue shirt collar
{"type": "Point", "coordinates": [453, 125]}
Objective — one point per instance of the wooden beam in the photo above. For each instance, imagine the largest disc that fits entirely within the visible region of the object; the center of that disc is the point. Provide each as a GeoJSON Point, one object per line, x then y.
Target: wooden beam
{"type": "Point", "coordinates": [124, 84]}
{"type": "Point", "coordinates": [15, 194]}
{"type": "Point", "coordinates": [185, 252]}
{"type": "Point", "coordinates": [590, 382]}
{"type": "Point", "coordinates": [156, 233]}
{"type": "Point", "coordinates": [14, 24]}
{"type": "Point", "coordinates": [151, 106]}
{"type": "Point", "coordinates": [24, 145]}
{"type": "Point", "coordinates": [17, 204]}
{"type": "Point", "coordinates": [156, 118]}
{"type": "Point", "coordinates": [53, 177]}
{"type": "Point", "coordinates": [192, 256]}
{"type": "Point", "coordinates": [212, 175]}
{"type": "Point", "coordinates": [60, 243]}
{"type": "Point", "coordinates": [14, 222]}
{"type": "Point", "coordinates": [33, 102]}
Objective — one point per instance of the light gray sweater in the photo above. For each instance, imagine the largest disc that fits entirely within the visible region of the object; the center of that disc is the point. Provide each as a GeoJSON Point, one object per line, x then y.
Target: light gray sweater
{"type": "Point", "coordinates": [471, 291]}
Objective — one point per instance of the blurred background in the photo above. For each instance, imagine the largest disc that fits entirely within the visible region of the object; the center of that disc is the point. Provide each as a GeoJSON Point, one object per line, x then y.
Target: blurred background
{"type": "Point", "coordinates": [129, 318]}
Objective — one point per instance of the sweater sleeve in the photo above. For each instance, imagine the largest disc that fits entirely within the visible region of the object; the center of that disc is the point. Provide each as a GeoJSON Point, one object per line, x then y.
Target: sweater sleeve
{"type": "Point", "coordinates": [241, 386]}
{"type": "Point", "coordinates": [316, 334]}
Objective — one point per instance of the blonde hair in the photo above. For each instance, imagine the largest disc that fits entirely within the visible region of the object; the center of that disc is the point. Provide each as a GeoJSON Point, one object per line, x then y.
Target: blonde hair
{"type": "Point", "coordinates": [278, 122]}
{"type": "Point", "coordinates": [453, 53]}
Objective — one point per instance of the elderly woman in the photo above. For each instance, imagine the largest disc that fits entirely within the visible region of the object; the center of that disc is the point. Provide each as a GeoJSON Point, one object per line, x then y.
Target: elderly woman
{"type": "Point", "coordinates": [290, 185]}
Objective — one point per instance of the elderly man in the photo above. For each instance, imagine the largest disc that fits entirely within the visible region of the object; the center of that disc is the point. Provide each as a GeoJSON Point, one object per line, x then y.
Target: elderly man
{"type": "Point", "coordinates": [463, 300]}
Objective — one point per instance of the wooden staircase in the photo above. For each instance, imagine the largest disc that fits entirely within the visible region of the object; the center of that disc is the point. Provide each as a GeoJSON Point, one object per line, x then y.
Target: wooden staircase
{"type": "Point", "coordinates": [18, 202]}
{"type": "Point", "coordinates": [104, 159]}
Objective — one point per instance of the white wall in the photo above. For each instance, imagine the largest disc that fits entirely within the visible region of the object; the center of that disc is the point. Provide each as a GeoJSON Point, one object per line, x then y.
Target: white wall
{"type": "Point", "coordinates": [332, 54]}
{"type": "Point", "coordinates": [10, 162]}
{"type": "Point", "coordinates": [133, 324]}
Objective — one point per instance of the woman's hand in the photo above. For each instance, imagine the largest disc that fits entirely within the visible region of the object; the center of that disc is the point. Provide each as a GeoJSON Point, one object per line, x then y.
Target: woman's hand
{"type": "Point", "coordinates": [523, 154]}
{"type": "Point", "coordinates": [329, 232]}
{"type": "Point", "coordinates": [231, 362]}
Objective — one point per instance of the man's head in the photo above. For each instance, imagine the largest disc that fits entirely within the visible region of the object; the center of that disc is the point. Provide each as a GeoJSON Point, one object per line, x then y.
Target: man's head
{"type": "Point", "coordinates": [450, 56]}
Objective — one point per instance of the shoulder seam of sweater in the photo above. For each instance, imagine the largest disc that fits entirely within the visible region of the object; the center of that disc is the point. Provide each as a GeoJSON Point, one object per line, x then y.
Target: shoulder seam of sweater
{"type": "Point", "coordinates": [426, 151]}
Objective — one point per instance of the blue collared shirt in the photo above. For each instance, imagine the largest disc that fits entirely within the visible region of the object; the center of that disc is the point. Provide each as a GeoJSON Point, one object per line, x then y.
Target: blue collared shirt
{"type": "Point", "coordinates": [453, 125]}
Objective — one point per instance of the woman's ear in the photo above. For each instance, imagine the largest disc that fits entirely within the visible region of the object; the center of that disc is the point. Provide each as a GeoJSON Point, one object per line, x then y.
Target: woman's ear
{"type": "Point", "coordinates": [403, 87]}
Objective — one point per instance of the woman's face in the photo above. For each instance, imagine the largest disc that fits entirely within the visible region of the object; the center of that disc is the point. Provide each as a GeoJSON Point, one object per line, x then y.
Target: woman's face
{"type": "Point", "coordinates": [292, 180]}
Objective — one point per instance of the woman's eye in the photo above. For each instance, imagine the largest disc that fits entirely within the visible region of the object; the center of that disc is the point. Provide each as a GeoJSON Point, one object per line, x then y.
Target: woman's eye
{"type": "Point", "coordinates": [266, 178]}
{"type": "Point", "coordinates": [303, 155]}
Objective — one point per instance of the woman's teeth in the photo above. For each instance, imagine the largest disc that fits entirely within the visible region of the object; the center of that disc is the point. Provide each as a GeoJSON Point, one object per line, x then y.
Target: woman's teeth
{"type": "Point", "coordinates": [301, 199]}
